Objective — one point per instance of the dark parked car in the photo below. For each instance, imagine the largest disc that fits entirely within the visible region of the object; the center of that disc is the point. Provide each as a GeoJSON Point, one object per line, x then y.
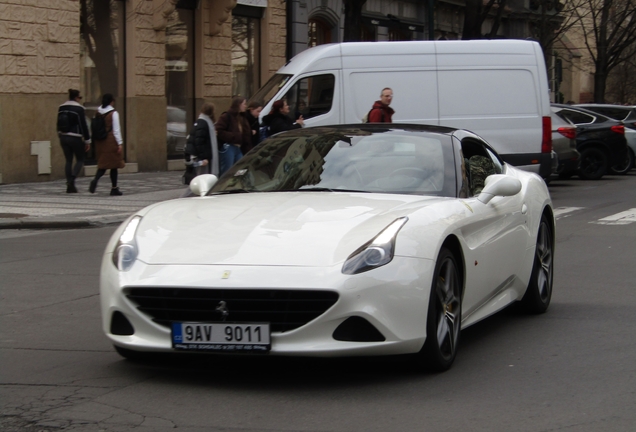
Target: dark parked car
{"type": "Point", "coordinates": [564, 144]}
{"type": "Point", "coordinates": [599, 139]}
{"type": "Point", "coordinates": [626, 114]}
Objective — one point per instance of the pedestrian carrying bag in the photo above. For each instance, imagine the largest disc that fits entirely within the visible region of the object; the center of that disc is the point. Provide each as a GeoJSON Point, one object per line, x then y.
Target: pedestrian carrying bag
{"type": "Point", "coordinates": [98, 127]}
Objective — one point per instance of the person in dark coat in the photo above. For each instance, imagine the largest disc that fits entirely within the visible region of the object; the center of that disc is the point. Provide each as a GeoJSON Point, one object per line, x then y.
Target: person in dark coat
{"type": "Point", "coordinates": [75, 139]}
{"type": "Point", "coordinates": [278, 120]}
{"type": "Point", "coordinates": [381, 111]}
{"type": "Point", "coordinates": [207, 160]}
{"type": "Point", "coordinates": [252, 113]}
{"type": "Point", "coordinates": [233, 132]}
{"type": "Point", "coordinates": [110, 154]}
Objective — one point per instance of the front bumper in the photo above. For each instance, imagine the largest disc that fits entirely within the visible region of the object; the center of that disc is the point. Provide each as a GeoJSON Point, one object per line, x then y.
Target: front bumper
{"type": "Point", "coordinates": [393, 298]}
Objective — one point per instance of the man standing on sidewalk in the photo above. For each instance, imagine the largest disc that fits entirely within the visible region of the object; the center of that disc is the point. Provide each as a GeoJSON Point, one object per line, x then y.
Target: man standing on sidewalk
{"type": "Point", "coordinates": [381, 111]}
{"type": "Point", "coordinates": [74, 136]}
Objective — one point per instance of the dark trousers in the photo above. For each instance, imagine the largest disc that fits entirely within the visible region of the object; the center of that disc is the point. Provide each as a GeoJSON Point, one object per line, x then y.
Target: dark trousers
{"type": "Point", "coordinates": [73, 146]}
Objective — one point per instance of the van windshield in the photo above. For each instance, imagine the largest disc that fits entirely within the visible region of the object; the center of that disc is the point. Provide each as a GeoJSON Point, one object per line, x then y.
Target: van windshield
{"type": "Point", "coordinates": [269, 90]}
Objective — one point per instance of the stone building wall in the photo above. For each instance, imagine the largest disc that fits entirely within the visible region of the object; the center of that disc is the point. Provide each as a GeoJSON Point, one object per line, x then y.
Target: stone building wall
{"type": "Point", "coordinates": [39, 62]}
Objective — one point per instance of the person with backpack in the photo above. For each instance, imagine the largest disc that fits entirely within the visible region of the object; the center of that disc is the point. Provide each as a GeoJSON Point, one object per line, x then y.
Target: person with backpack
{"type": "Point", "coordinates": [278, 119]}
{"type": "Point", "coordinates": [74, 136]}
{"type": "Point", "coordinates": [233, 132]}
{"type": "Point", "coordinates": [381, 111]}
{"type": "Point", "coordinates": [106, 131]}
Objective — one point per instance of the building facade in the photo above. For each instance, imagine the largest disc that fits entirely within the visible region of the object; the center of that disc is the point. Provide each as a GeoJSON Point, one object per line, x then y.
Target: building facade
{"type": "Point", "coordinates": [161, 59]}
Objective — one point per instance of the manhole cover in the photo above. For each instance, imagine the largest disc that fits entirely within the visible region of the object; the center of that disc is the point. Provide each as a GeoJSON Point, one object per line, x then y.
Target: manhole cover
{"type": "Point", "coordinates": [12, 215]}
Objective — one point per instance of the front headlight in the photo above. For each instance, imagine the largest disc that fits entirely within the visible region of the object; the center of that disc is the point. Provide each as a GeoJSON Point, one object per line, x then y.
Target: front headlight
{"type": "Point", "coordinates": [375, 253]}
{"type": "Point", "coordinates": [125, 252]}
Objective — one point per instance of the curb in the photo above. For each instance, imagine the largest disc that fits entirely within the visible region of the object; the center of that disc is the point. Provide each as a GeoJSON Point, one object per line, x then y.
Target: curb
{"type": "Point", "coordinates": [54, 223]}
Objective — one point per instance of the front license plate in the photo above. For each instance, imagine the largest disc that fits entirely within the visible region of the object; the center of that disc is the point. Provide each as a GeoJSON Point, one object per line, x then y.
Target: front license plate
{"type": "Point", "coordinates": [227, 337]}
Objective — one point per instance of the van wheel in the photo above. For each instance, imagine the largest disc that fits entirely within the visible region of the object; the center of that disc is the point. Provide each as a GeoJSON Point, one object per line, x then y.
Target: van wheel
{"type": "Point", "coordinates": [626, 166]}
{"type": "Point", "coordinates": [593, 164]}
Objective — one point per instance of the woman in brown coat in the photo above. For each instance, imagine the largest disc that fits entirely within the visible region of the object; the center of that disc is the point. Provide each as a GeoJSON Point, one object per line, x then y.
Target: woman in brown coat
{"type": "Point", "coordinates": [233, 132]}
{"type": "Point", "coordinates": [109, 149]}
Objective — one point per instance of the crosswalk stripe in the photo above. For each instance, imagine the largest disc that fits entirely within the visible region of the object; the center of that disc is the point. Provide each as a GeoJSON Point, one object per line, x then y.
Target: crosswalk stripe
{"type": "Point", "coordinates": [560, 212]}
{"type": "Point", "coordinates": [622, 218]}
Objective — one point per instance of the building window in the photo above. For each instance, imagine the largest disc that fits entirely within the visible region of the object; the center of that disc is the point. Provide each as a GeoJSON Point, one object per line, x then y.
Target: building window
{"type": "Point", "coordinates": [246, 29]}
{"type": "Point", "coordinates": [368, 32]}
{"type": "Point", "coordinates": [102, 57]}
{"type": "Point", "coordinates": [319, 32]}
{"type": "Point", "coordinates": [179, 80]}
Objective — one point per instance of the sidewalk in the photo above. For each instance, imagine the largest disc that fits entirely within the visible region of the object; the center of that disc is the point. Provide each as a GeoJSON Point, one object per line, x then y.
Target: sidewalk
{"type": "Point", "coordinates": [46, 205]}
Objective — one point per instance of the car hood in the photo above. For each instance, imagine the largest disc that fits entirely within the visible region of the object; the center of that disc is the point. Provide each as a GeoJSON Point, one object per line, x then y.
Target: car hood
{"type": "Point", "coordinates": [273, 229]}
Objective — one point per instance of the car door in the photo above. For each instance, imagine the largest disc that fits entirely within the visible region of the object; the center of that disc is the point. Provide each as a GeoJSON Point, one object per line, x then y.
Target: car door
{"type": "Point", "coordinates": [496, 235]}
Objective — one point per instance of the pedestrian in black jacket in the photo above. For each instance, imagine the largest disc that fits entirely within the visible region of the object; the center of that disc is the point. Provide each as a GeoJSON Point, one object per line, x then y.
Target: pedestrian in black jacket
{"type": "Point", "coordinates": [205, 141]}
{"type": "Point", "coordinates": [74, 136]}
{"type": "Point", "coordinates": [252, 113]}
{"type": "Point", "coordinates": [278, 120]}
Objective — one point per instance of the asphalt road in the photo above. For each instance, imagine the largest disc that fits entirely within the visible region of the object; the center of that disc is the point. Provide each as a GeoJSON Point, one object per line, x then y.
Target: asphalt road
{"type": "Point", "coordinates": [571, 369]}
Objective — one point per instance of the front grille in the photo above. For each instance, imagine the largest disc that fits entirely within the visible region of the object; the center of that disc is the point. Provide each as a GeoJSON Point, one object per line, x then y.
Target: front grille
{"type": "Point", "coordinates": [284, 309]}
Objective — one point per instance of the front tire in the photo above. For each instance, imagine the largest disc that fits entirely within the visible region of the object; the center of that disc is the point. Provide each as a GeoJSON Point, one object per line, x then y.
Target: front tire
{"type": "Point", "coordinates": [539, 292]}
{"type": "Point", "coordinates": [443, 320]}
{"type": "Point", "coordinates": [593, 163]}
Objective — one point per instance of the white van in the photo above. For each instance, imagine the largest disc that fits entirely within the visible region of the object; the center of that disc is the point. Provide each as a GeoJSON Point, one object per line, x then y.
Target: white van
{"type": "Point", "coordinates": [497, 89]}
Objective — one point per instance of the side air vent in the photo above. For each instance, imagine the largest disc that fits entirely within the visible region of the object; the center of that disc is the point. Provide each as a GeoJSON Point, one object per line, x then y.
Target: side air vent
{"type": "Point", "coordinates": [357, 329]}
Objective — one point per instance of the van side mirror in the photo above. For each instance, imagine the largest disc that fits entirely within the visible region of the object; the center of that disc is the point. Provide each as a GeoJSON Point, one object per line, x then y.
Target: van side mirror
{"type": "Point", "coordinates": [499, 185]}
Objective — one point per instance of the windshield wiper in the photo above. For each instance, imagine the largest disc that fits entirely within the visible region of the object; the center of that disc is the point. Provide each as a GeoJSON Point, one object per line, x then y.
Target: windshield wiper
{"type": "Point", "coordinates": [232, 191]}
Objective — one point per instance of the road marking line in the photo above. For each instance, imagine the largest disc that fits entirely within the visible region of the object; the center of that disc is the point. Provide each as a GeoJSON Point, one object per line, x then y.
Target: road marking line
{"type": "Point", "coordinates": [560, 212]}
{"type": "Point", "coordinates": [622, 218]}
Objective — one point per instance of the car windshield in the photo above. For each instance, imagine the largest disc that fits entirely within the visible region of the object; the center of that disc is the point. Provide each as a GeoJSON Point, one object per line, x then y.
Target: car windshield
{"type": "Point", "coordinates": [378, 160]}
{"type": "Point", "coordinates": [269, 90]}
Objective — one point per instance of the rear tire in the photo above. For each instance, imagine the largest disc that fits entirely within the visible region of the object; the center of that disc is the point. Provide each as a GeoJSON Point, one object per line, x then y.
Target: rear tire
{"type": "Point", "coordinates": [626, 166]}
{"type": "Point", "coordinates": [443, 320]}
{"type": "Point", "coordinates": [539, 292]}
{"type": "Point", "coordinates": [593, 163]}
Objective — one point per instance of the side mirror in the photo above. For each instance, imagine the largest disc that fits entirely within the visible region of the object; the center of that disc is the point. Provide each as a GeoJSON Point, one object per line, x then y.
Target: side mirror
{"type": "Point", "coordinates": [201, 185]}
{"type": "Point", "coordinates": [499, 185]}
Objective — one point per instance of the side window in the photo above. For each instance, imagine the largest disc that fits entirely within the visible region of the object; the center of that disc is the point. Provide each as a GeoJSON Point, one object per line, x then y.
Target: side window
{"type": "Point", "coordinates": [311, 96]}
{"type": "Point", "coordinates": [479, 162]}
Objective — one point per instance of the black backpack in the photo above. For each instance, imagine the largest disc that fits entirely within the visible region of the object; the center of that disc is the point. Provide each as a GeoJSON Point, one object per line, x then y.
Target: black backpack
{"type": "Point", "coordinates": [98, 127]}
{"type": "Point", "coordinates": [64, 123]}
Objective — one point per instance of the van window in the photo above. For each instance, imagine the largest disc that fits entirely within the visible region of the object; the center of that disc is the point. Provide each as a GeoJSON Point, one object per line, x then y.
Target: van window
{"type": "Point", "coordinates": [311, 96]}
{"type": "Point", "coordinates": [267, 92]}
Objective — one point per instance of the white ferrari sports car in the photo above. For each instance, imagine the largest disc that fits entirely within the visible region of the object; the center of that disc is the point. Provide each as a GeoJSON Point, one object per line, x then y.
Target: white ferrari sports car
{"type": "Point", "coordinates": [368, 239]}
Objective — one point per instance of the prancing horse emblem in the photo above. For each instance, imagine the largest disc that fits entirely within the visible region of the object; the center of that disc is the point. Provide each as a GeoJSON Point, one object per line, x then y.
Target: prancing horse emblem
{"type": "Point", "coordinates": [221, 307]}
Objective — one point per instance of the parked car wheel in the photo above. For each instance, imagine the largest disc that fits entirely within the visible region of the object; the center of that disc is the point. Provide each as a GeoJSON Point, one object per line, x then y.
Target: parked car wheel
{"type": "Point", "coordinates": [593, 163]}
{"type": "Point", "coordinates": [537, 297]}
{"type": "Point", "coordinates": [444, 315]}
{"type": "Point", "coordinates": [626, 166]}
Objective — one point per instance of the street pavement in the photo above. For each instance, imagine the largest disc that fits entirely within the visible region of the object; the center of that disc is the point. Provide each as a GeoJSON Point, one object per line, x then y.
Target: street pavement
{"type": "Point", "coordinates": [46, 205]}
